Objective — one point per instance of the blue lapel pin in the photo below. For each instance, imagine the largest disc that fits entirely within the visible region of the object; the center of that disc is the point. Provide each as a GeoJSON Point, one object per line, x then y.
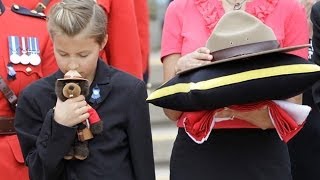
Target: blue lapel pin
{"type": "Point", "coordinates": [95, 96]}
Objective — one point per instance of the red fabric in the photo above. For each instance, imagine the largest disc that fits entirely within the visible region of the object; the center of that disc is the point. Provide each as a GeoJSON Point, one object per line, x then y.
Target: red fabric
{"type": "Point", "coordinates": [285, 125]}
{"type": "Point", "coordinates": [94, 116]}
{"type": "Point", "coordinates": [142, 15]}
{"type": "Point", "coordinates": [12, 163]}
{"type": "Point", "coordinates": [123, 49]}
{"type": "Point", "coordinates": [30, 4]}
{"type": "Point", "coordinates": [34, 27]}
{"type": "Point", "coordinates": [128, 31]}
{"type": "Point", "coordinates": [198, 124]}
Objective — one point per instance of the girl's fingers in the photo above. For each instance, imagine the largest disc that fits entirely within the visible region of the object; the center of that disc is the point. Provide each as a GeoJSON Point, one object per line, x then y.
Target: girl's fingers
{"type": "Point", "coordinates": [79, 98]}
{"type": "Point", "coordinates": [82, 110]}
{"type": "Point", "coordinates": [83, 117]}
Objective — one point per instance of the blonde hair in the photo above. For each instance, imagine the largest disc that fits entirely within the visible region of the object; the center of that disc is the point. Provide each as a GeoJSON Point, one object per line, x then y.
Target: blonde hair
{"type": "Point", "coordinates": [72, 17]}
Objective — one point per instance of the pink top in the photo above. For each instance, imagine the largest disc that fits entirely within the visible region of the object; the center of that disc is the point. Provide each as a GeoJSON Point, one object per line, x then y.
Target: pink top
{"type": "Point", "coordinates": [189, 23]}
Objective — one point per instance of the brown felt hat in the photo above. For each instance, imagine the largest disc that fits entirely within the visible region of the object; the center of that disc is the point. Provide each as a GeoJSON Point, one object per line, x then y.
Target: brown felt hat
{"type": "Point", "coordinates": [72, 75]}
{"type": "Point", "coordinates": [239, 35]}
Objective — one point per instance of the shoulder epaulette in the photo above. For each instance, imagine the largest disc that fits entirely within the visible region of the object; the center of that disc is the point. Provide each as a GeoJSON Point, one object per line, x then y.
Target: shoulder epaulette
{"type": "Point", "coordinates": [27, 12]}
{"type": "Point", "coordinates": [2, 8]}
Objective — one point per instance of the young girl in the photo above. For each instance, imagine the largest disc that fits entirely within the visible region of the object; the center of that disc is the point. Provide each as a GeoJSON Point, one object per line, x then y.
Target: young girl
{"type": "Point", "coordinates": [46, 126]}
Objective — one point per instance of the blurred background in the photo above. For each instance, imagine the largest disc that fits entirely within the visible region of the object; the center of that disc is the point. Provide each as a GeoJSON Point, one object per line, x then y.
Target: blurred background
{"type": "Point", "coordinates": [157, 10]}
{"type": "Point", "coordinates": [163, 130]}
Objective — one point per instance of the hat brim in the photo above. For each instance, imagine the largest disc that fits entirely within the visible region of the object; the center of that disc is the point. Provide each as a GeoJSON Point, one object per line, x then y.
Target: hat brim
{"type": "Point", "coordinates": [243, 57]}
{"type": "Point", "coordinates": [72, 79]}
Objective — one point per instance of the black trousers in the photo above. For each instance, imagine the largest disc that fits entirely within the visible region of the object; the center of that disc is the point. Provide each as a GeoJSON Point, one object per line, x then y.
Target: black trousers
{"type": "Point", "coordinates": [231, 154]}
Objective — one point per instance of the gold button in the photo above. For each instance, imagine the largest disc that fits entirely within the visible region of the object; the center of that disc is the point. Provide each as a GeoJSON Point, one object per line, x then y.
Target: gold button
{"type": "Point", "coordinates": [16, 7]}
{"type": "Point", "coordinates": [28, 69]}
{"type": "Point", "coordinates": [41, 14]}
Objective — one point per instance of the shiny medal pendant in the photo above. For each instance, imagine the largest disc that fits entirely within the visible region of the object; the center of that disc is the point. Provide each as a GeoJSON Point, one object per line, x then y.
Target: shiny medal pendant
{"type": "Point", "coordinates": [14, 49]}
{"type": "Point", "coordinates": [33, 47]}
{"type": "Point", "coordinates": [34, 59]}
{"type": "Point", "coordinates": [14, 58]}
{"type": "Point", "coordinates": [24, 58]}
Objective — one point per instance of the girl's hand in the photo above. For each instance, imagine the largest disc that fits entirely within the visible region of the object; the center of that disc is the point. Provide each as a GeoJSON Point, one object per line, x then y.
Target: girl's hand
{"type": "Point", "coordinates": [72, 111]}
{"type": "Point", "coordinates": [201, 56]}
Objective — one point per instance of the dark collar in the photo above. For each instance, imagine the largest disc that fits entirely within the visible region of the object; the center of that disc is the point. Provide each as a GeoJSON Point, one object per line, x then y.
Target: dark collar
{"type": "Point", "coordinates": [2, 8]}
{"type": "Point", "coordinates": [103, 74]}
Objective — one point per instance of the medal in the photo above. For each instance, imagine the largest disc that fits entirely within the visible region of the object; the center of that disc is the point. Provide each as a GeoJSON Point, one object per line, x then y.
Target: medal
{"type": "Point", "coordinates": [33, 49]}
{"type": "Point", "coordinates": [34, 59]}
{"type": "Point", "coordinates": [24, 58]}
{"type": "Point", "coordinates": [14, 49]}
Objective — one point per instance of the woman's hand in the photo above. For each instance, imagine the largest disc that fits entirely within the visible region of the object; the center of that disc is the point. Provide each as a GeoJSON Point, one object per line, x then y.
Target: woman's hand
{"type": "Point", "coordinates": [259, 117]}
{"type": "Point", "coordinates": [72, 111]}
{"type": "Point", "coordinates": [201, 56]}
{"type": "Point", "coordinates": [174, 63]}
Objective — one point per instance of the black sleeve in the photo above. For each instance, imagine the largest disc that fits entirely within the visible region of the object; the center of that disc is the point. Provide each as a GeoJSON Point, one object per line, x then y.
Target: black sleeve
{"type": "Point", "coordinates": [139, 134]}
{"type": "Point", "coordinates": [43, 141]}
{"type": "Point", "coordinates": [315, 19]}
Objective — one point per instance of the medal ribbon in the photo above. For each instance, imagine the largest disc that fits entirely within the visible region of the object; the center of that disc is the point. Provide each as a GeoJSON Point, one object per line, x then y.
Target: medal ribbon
{"type": "Point", "coordinates": [14, 47]}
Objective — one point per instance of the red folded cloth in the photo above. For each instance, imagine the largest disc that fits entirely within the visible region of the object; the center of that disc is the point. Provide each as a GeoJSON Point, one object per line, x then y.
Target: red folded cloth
{"type": "Point", "coordinates": [285, 125]}
{"type": "Point", "coordinates": [198, 125]}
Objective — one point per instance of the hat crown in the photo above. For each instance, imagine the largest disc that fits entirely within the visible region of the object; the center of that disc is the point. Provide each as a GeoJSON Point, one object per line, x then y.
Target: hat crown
{"type": "Point", "coordinates": [72, 74]}
{"type": "Point", "coordinates": [238, 28]}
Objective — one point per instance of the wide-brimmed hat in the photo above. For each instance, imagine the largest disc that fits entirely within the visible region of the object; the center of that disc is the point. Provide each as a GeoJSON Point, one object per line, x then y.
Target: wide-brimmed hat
{"type": "Point", "coordinates": [72, 75]}
{"type": "Point", "coordinates": [239, 35]}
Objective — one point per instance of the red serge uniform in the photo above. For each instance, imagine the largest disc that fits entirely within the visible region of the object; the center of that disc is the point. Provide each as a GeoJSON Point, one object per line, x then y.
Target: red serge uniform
{"type": "Point", "coordinates": [128, 29]}
{"type": "Point", "coordinates": [123, 49]}
{"type": "Point", "coordinates": [19, 28]}
{"type": "Point", "coordinates": [142, 15]}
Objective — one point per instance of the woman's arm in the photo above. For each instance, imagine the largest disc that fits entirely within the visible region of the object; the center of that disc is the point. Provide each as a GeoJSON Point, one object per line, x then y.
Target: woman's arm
{"type": "Point", "coordinates": [169, 63]}
{"type": "Point", "coordinates": [174, 63]}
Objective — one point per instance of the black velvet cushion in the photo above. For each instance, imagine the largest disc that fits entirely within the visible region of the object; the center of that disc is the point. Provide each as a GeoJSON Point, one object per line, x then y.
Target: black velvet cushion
{"type": "Point", "coordinates": [265, 77]}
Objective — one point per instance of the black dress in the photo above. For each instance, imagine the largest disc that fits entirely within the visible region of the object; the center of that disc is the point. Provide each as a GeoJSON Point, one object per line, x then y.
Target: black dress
{"type": "Point", "coordinates": [231, 154]}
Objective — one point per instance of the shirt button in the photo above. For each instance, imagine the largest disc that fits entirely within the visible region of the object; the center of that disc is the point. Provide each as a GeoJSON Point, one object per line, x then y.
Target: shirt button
{"type": "Point", "coordinates": [16, 7]}
{"type": "Point", "coordinates": [28, 69]}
